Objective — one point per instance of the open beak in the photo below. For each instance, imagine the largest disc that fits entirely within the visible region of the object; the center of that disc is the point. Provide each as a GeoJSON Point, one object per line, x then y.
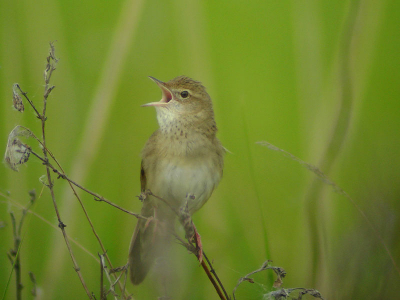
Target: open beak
{"type": "Point", "coordinates": [166, 94]}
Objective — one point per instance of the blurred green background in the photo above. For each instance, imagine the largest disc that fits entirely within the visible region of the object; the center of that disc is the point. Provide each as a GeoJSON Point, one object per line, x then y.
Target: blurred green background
{"type": "Point", "coordinates": [319, 79]}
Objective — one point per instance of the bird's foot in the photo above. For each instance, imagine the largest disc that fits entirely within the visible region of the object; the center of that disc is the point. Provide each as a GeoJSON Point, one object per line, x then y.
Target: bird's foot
{"type": "Point", "coordinates": [149, 219]}
{"type": "Point", "coordinates": [191, 231]}
{"type": "Point", "coordinates": [152, 218]}
{"type": "Point", "coordinates": [142, 196]}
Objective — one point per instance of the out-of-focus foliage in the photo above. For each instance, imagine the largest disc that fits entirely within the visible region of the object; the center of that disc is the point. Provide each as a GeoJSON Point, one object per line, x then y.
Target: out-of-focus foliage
{"type": "Point", "coordinates": [319, 79]}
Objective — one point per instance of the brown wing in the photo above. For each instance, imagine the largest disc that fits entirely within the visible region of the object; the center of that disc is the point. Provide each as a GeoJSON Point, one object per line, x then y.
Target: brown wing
{"type": "Point", "coordinates": [142, 250]}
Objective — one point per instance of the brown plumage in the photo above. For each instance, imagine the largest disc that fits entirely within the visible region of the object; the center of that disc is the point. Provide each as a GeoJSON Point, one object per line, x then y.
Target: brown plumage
{"type": "Point", "coordinates": [183, 157]}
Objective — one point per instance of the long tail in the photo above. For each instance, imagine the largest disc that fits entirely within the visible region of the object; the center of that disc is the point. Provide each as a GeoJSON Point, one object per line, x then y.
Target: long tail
{"type": "Point", "coordinates": [150, 240]}
{"type": "Point", "coordinates": [142, 252]}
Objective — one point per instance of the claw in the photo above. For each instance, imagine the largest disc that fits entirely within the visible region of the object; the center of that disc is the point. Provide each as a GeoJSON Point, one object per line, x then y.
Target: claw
{"type": "Point", "coordinates": [148, 222]}
{"type": "Point", "coordinates": [190, 196]}
{"type": "Point", "coordinates": [142, 196]}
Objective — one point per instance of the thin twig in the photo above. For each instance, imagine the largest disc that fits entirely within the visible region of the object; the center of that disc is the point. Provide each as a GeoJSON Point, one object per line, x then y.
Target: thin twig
{"type": "Point", "coordinates": [16, 262]}
{"type": "Point", "coordinates": [96, 196]}
{"type": "Point", "coordinates": [101, 278]}
{"type": "Point", "coordinates": [112, 290]}
{"type": "Point", "coordinates": [32, 200]}
{"type": "Point", "coordinates": [61, 174]}
{"type": "Point", "coordinates": [215, 284]}
{"type": "Point", "coordinates": [212, 270]}
{"type": "Point", "coordinates": [48, 223]}
{"type": "Point", "coordinates": [50, 67]}
{"type": "Point", "coordinates": [90, 223]}
{"type": "Point", "coordinates": [124, 284]}
{"type": "Point", "coordinates": [38, 115]}
{"type": "Point", "coordinates": [28, 132]}
{"type": "Point", "coordinates": [71, 184]}
{"type": "Point", "coordinates": [117, 280]}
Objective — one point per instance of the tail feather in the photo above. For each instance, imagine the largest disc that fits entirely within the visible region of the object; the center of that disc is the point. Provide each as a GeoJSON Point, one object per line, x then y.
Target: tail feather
{"type": "Point", "coordinates": [150, 240]}
{"type": "Point", "coordinates": [142, 252]}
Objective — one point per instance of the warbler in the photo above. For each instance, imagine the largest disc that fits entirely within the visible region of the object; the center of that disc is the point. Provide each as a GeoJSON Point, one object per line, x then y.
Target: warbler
{"type": "Point", "coordinates": [183, 157]}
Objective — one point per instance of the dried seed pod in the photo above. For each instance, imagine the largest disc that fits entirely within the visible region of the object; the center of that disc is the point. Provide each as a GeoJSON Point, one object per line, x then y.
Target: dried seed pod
{"type": "Point", "coordinates": [17, 153]}
{"type": "Point", "coordinates": [17, 100]}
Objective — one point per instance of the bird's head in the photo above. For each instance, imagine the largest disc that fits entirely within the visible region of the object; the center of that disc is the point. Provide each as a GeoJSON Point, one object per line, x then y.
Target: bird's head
{"type": "Point", "coordinates": [184, 100]}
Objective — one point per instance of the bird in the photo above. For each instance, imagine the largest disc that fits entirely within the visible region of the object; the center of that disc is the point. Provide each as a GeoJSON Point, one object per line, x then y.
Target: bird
{"type": "Point", "coordinates": [182, 163]}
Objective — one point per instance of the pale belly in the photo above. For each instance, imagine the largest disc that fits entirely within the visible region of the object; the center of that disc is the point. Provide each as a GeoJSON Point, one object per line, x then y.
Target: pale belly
{"type": "Point", "coordinates": [176, 180]}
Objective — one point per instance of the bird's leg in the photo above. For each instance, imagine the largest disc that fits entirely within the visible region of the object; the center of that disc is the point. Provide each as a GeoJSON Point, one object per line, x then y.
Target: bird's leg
{"type": "Point", "coordinates": [190, 229]}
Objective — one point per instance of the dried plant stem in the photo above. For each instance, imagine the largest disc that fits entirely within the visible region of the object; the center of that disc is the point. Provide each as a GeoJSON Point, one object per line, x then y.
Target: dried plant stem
{"type": "Point", "coordinates": [214, 283]}
{"type": "Point", "coordinates": [16, 262]}
{"type": "Point", "coordinates": [280, 273]}
{"type": "Point", "coordinates": [95, 195]}
{"type": "Point", "coordinates": [38, 115]}
{"type": "Point", "coordinates": [61, 174]}
{"type": "Point", "coordinates": [93, 229]}
{"type": "Point", "coordinates": [50, 67]}
{"type": "Point", "coordinates": [15, 203]}
{"type": "Point", "coordinates": [91, 225]}
{"type": "Point", "coordinates": [17, 229]}
{"type": "Point", "coordinates": [101, 278]}
{"type": "Point", "coordinates": [212, 270]}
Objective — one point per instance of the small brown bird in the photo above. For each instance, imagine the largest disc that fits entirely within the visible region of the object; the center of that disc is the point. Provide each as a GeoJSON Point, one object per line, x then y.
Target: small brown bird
{"type": "Point", "coordinates": [183, 157]}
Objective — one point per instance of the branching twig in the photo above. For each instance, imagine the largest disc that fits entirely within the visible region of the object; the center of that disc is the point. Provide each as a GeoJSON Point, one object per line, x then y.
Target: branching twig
{"type": "Point", "coordinates": [112, 284]}
{"type": "Point", "coordinates": [14, 203]}
{"type": "Point", "coordinates": [97, 197]}
{"type": "Point", "coordinates": [18, 153]}
{"type": "Point", "coordinates": [265, 266]}
{"type": "Point", "coordinates": [50, 67]}
{"type": "Point", "coordinates": [280, 294]}
{"type": "Point", "coordinates": [16, 86]}
{"type": "Point", "coordinates": [70, 182]}
{"type": "Point", "coordinates": [16, 262]}
{"type": "Point", "coordinates": [123, 271]}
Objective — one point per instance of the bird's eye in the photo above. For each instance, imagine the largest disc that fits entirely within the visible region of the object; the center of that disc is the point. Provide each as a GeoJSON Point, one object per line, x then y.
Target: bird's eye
{"type": "Point", "coordinates": [184, 94]}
